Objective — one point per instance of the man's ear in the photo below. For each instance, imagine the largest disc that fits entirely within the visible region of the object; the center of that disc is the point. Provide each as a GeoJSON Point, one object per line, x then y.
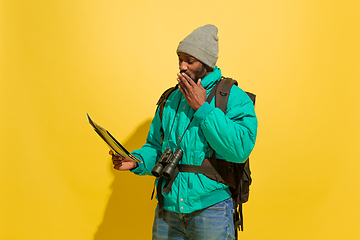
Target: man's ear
{"type": "Point", "coordinates": [208, 69]}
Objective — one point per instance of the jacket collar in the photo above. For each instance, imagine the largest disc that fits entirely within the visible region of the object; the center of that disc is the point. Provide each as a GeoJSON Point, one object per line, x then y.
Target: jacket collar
{"type": "Point", "coordinates": [209, 80]}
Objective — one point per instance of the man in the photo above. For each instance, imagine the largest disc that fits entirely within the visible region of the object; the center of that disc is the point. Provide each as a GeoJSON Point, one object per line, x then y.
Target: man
{"type": "Point", "coordinates": [196, 207]}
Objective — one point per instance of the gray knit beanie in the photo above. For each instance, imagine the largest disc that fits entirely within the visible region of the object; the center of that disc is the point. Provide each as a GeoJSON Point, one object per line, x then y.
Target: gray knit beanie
{"type": "Point", "coordinates": [202, 44]}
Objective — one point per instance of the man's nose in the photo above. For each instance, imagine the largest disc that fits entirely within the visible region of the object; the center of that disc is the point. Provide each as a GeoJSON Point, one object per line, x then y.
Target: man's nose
{"type": "Point", "coordinates": [183, 66]}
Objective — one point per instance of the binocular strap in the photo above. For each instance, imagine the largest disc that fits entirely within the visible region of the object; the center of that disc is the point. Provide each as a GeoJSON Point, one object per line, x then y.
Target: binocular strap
{"type": "Point", "coordinates": [166, 189]}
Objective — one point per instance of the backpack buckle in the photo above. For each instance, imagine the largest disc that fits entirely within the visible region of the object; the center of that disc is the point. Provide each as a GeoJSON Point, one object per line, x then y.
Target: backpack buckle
{"type": "Point", "coordinates": [223, 93]}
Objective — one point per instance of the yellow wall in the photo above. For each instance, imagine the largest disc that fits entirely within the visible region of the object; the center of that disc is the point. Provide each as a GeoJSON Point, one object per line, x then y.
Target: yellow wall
{"type": "Point", "coordinates": [113, 59]}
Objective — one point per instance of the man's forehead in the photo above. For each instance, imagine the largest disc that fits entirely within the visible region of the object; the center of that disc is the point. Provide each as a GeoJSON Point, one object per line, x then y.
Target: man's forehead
{"type": "Point", "coordinates": [185, 55]}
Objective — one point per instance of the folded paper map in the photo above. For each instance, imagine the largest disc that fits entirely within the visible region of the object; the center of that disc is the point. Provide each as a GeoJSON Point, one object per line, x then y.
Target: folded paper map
{"type": "Point", "coordinates": [113, 144]}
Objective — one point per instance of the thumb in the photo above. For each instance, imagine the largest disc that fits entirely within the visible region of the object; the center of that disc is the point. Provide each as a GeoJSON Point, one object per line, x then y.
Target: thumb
{"type": "Point", "coordinates": [199, 82]}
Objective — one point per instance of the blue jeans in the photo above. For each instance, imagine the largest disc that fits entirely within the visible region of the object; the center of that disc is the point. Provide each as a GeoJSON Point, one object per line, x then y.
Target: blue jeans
{"type": "Point", "coordinates": [215, 222]}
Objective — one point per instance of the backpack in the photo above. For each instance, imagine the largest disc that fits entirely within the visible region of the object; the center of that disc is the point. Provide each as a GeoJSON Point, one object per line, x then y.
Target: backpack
{"type": "Point", "coordinates": [236, 175]}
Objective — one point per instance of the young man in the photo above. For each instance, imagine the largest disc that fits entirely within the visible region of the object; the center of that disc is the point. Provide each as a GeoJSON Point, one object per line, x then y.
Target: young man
{"type": "Point", "coordinates": [196, 207]}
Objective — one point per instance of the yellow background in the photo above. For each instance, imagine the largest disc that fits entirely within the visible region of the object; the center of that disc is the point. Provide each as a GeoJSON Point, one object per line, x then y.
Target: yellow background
{"type": "Point", "coordinates": [113, 59]}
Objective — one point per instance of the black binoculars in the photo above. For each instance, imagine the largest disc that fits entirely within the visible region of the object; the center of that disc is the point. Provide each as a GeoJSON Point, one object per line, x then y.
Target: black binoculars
{"type": "Point", "coordinates": [167, 163]}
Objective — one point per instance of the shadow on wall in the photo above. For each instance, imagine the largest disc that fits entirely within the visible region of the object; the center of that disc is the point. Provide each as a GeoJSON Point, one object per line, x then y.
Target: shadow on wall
{"type": "Point", "coordinates": [129, 206]}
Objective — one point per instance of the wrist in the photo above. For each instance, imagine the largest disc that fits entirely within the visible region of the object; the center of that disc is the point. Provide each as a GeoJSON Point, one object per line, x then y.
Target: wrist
{"type": "Point", "coordinates": [135, 166]}
{"type": "Point", "coordinates": [199, 106]}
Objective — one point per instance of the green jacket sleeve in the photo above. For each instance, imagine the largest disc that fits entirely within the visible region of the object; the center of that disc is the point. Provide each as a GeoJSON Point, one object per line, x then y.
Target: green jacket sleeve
{"type": "Point", "coordinates": [231, 135]}
{"type": "Point", "coordinates": [150, 152]}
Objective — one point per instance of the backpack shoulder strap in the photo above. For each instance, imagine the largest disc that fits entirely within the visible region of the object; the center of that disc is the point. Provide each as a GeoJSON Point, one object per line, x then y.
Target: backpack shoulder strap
{"type": "Point", "coordinates": [221, 91]}
{"type": "Point", "coordinates": [251, 96]}
{"type": "Point", "coordinates": [161, 104]}
{"type": "Point", "coordinates": [162, 100]}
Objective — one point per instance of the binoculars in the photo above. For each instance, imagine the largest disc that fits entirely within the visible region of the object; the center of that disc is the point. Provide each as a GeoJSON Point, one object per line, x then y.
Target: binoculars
{"type": "Point", "coordinates": [167, 163]}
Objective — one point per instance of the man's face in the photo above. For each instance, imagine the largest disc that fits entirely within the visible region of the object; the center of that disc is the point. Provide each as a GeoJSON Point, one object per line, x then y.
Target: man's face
{"type": "Point", "coordinates": [191, 66]}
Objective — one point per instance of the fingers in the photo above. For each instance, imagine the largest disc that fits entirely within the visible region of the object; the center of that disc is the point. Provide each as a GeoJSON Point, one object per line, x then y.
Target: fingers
{"type": "Point", "coordinates": [185, 81]}
{"type": "Point", "coordinates": [112, 153]}
{"type": "Point", "coordinates": [124, 165]}
{"type": "Point", "coordinates": [117, 160]}
{"type": "Point", "coordinates": [117, 166]}
{"type": "Point", "coordinates": [182, 83]}
{"type": "Point", "coordinates": [120, 163]}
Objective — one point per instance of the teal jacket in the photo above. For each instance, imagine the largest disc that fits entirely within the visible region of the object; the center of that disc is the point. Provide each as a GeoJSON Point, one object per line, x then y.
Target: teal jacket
{"type": "Point", "coordinates": [231, 135]}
